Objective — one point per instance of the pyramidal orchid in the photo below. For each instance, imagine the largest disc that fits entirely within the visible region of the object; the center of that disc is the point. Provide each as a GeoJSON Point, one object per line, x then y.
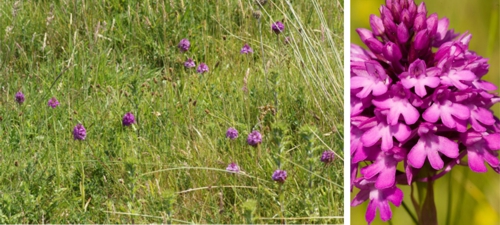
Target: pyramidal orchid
{"type": "Point", "coordinates": [417, 100]}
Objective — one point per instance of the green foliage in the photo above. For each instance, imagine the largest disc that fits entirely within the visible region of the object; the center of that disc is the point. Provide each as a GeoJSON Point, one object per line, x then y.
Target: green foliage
{"type": "Point", "coordinates": [101, 59]}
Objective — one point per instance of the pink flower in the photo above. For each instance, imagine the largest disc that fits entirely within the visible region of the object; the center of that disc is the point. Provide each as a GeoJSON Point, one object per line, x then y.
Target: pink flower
{"type": "Point", "coordinates": [419, 76]}
{"type": "Point", "coordinates": [371, 79]}
{"type": "Point", "coordinates": [385, 167]}
{"type": "Point", "coordinates": [379, 199]}
{"type": "Point", "coordinates": [452, 114]}
{"type": "Point", "coordinates": [381, 130]}
{"type": "Point", "coordinates": [480, 149]}
{"type": "Point", "coordinates": [397, 101]}
{"type": "Point", "coordinates": [429, 146]}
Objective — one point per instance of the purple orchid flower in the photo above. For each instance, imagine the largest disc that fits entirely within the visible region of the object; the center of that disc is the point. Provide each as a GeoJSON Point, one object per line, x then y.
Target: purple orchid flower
{"type": "Point", "coordinates": [385, 167]}
{"type": "Point", "coordinates": [451, 113]}
{"type": "Point", "coordinates": [480, 147]}
{"type": "Point", "coordinates": [417, 95]}
{"type": "Point", "coordinates": [381, 130]}
{"type": "Point", "coordinates": [370, 79]}
{"type": "Point", "coordinates": [378, 199]}
{"type": "Point", "coordinates": [418, 76]}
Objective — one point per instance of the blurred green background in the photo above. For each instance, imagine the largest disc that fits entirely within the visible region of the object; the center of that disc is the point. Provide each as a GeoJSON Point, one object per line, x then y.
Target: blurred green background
{"type": "Point", "coordinates": [462, 195]}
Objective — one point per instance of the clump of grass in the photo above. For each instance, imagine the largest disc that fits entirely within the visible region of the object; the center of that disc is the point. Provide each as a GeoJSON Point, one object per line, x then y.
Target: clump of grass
{"type": "Point", "coordinates": [101, 60]}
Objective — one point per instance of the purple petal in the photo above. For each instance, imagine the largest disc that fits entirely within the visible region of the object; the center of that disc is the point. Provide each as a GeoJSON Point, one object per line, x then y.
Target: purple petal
{"type": "Point", "coordinates": [460, 111]}
{"type": "Point", "coordinates": [401, 131]}
{"type": "Point", "coordinates": [395, 196]}
{"type": "Point", "coordinates": [493, 141]}
{"type": "Point", "coordinates": [387, 177]}
{"type": "Point", "coordinates": [373, 169]}
{"type": "Point", "coordinates": [371, 211]}
{"type": "Point", "coordinates": [371, 136]}
{"type": "Point", "coordinates": [442, 28]}
{"type": "Point", "coordinates": [376, 25]}
{"type": "Point", "coordinates": [485, 85]}
{"type": "Point", "coordinates": [435, 160]}
{"type": "Point", "coordinates": [361, 197]}
{"type": "Point", "coordinates": [448, 147]}
{"type": "Point", "coordinates": [385, 211]}
{"type": "Point", "coordinates": [431, 114]}
{"type": "Point", "coordinates": [417, 155]}
{"type": "Point", "coordinates": [403, 34]}
{"type": "Point", "coordinates": [476, 162]}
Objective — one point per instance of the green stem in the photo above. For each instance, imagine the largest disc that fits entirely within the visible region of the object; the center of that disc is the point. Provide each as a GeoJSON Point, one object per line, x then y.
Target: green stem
{"type": "Point", "coordinates": [82, 182]}
{"type": "Point", "coordinates": [263, 55]}
{"type": "Point", "coordinates": [448, 211]}
{"type": "Point", "coordinates": [409, 213]}
{"type": "Point", "coordinates": [428, 213]}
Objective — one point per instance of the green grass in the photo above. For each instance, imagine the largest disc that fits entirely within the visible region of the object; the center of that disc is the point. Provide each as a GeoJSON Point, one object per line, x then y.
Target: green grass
{"type": "Point", "coordinates": [101, 59]}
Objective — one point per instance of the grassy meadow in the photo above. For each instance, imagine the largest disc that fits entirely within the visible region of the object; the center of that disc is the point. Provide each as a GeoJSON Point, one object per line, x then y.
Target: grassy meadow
{"type": "Point", "coordinates": [462, 196]}
{"type": "Point", "coordinates": [102, 59]}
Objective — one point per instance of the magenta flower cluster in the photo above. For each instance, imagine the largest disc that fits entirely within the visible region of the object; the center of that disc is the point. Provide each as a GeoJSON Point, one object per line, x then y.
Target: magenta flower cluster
{"type": "Point", "coordinates": [246, 49]}
{"type": "Point", "coordinates": [254, 138]}
{"type": "Point", "coordinates": [79, 132]}
{"type": "Point", "coordinates": [184, 45]}
{"type": "Point", "coordinates": [278, 27]}
{"type": "Point", "coordinates": [232, 133]}
{"type": "Point", "coordinates": [53, 103]}
{"type": "Point", "coordinates": [279, 176]}
{"type": "Point", "coordinates": [412, 104]}
{"type": "Point", "coordinates": [233, 167]}
{"type": "Point", "coordinates": [328, 156]}
{"type": "Point", "coordinates": [128, 119]}
{"type": "Point", "coordinates": [202, 68]}
{"type": "Point", "coordinates": [19, 97]}
{"type": "Point", "coordinates": [189, 63]}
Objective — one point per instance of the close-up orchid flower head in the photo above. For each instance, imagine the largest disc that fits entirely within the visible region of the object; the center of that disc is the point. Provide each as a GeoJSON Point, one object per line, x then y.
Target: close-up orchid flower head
{"type": "Point", "coordinates": [421, 108]}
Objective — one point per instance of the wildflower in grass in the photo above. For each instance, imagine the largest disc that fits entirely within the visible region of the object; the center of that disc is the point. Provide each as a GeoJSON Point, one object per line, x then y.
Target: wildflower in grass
{"type": "Point", "coordinates": [184, 45]}
{"type": "Point", "coordinates": [79, 132]}
{"type": "Point", "coordinates": [279, 176]}
{"type": "Point", "coordinates": [202, 68]}
{"type": "Point", "coordinates": [246, 49]}
{"type": "Point", "coordinates": [128, 119]}
{"type": "Point", "coordinates": [328, 156]}
{"type": "Point", "coordinates": [189, 63]}
{"type": "Point", "coordinates": [417, 95]}
{"type": "Point", "coordinates": [232, 133]}
{"type": "Point", "coordinates": [254, 138]}
{"type": "Point", "coordinates": [278, 27]}
{"type": "Point", "coordinates": [19, 97]}
{"type": "Point", "coordinates": [233, 167]}
{"type": "Point", "coordinates": [53, 103]}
